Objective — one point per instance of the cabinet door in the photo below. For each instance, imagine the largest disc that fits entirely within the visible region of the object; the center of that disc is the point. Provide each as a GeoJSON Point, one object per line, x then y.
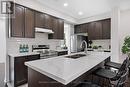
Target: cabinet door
{"type": "Point", "coordinates": [60, 29]}
{"type": "Point", "coordinates": [17, 22]}
{"type": "Point", "coordinates": [48, 21]}
{"type": "Point", "coordinates": [29, 23]}
{"type": "Point", "coordinates": [95, 30]}
{"type": "Point", "coordinates": [31, 58]}
{"type": "Point", "coordinates": [91, 31]}
{"type": "Point", "coordinates": [77, 29]}
{"type": "Point", "coordinates": [81, 28]}
{"type": "Point", "coordinates": [106, 30]}
{"type": "Point", "coordinates": [98, 30]}
{"type": "Point", "coordinates": [54, 29]}
{"type": "Point", "coordinates": [39, 19]}
{"type": "Point", "coordinates": [20, 71]}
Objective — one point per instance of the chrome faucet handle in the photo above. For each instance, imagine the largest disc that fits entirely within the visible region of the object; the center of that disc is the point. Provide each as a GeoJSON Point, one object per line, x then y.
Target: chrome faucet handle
{"type": "Point", "coordinates": [85, 48]}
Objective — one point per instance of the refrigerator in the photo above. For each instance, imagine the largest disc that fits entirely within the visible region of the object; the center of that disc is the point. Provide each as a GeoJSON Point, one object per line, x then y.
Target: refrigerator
{"type": "Point", "coordinates": [76, 41]}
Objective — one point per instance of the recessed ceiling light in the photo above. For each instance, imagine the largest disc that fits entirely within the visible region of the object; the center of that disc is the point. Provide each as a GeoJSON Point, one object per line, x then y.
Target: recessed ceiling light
{"type": "Point", "coordinates": [80, 13]}
{"type": "Point", "coordinates": [65, 4]}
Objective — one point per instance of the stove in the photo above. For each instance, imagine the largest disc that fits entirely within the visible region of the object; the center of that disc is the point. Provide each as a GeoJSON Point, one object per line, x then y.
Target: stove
{"type": "Point", "coordinates": [44, 51]}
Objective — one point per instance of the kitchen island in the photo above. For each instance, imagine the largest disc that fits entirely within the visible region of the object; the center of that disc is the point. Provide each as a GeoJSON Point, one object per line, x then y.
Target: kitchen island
{"type": "Point", "coordinates": [62, 71]}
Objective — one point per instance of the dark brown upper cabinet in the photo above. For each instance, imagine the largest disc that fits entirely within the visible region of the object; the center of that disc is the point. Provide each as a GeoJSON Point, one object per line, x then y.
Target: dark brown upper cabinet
{"type": "Point", "coordinates": [77, 29]}
{"type": "Point", "coordinates": [39, 19]}
{"type": "Point", "coordinates": [29, 23]}
{"type": "Point", "coordinates": [91, 30]}
{"type": "Point", "coordinates": [43, 20]}
{"type": "Point", "coordinates": [58, 29]}
{"type": "Point", "coordinates": [81, 28]}
{"type": "Point", "coordinates": [106, 29]}
{"type": "Point", "coordinates": [22, 22]}
{"type": "Point", "coordinates": [55, 29]}
{"type": "Point", "coordinates": [17, 22]}
{"type": "Point", "coordinates": [25, 20]}
{"type": "Point", "coordinates": [96, 30]}
{"type": "Point", "coordinates": [48, 21]}
{"type": "Point", "coordinates": [84, 28]}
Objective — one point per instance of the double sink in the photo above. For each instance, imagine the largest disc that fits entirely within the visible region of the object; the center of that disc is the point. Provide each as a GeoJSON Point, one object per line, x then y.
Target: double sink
{"type": "Point", "coordinates": [76, 56]}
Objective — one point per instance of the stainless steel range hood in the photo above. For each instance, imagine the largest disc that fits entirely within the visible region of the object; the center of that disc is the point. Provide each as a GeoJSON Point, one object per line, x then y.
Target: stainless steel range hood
{"type": "Point", "coordinates": [82, 34]}
{"type": "Point", "coordinates": [43, 30]}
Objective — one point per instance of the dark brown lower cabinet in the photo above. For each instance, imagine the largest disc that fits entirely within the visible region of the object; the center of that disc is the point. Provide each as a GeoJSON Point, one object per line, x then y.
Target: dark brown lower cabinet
{"type": "Point", "coordinates": [20, 76]}
{"type": "Point", "coordinates": [18, 71]}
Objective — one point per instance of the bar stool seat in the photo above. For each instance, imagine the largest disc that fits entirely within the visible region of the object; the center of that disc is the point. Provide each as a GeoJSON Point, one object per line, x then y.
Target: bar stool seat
{"type": "Point", "coordinates": [105, 73]}
{"type": "Point", "coordinates": [113, 64]}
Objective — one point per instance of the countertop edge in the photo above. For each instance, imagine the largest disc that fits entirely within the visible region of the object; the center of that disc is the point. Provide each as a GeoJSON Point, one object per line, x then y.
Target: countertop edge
{"type": "Point", "coordinates": [47, 74]}
{"type": "Point", "coordinates": [22, 54]}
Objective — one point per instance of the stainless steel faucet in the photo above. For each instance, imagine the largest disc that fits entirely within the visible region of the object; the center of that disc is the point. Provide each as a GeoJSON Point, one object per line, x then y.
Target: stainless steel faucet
{"type": "Point", "coordinates": [85, 48]}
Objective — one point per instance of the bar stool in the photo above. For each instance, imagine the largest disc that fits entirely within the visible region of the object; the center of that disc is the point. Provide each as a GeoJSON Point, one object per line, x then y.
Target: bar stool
{"type": "Point", "coordinates": [113, 83]}
{"type": "Point", "coordinates": [110, 75]}
{"type": "Point", "coordinates": [115, 65]}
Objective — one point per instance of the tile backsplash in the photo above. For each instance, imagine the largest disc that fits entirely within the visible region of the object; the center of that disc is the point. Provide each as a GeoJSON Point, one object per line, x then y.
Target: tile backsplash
{"type": "Point", "coordinates": [104, 43]}
{"type": "Point", "coordinates": [40, 39]}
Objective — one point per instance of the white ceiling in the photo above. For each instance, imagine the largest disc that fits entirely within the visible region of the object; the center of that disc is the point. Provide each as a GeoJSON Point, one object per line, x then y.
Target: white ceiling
{"type": "Point", "coordinates": [88, 7]}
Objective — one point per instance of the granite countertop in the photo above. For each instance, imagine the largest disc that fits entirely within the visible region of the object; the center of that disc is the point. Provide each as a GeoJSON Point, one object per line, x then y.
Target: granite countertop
{"type": "Point", "coordinates": [65, 70]}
